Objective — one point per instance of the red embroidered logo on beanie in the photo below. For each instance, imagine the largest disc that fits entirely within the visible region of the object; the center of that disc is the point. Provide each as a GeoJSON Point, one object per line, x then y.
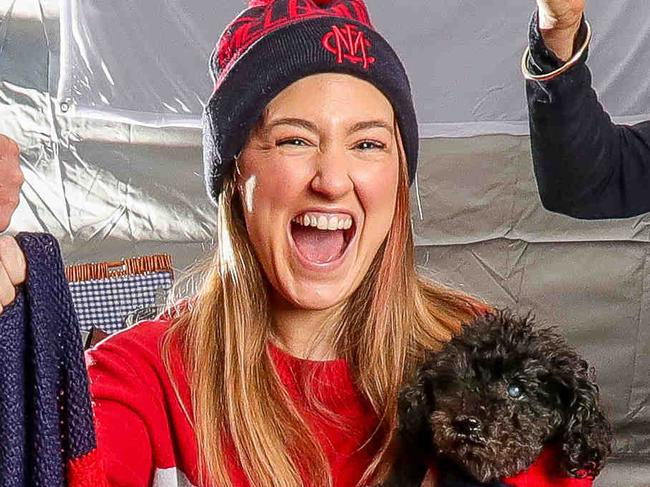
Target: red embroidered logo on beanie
{"type": "Point", "coordinates": [266, 16]}
{"type": "Point", "coordinates": [348, 43]}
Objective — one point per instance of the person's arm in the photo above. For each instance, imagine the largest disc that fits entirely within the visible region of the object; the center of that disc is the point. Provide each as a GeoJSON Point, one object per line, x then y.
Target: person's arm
{"type": "Point", "coordinates": [586, 166]}
{"type": "Point", "coordinates": [124, 409]}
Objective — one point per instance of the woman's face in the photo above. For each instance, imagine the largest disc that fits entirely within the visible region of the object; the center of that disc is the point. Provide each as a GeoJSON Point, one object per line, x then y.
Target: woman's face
{"type": "Point", "coordinates": [318, 183]}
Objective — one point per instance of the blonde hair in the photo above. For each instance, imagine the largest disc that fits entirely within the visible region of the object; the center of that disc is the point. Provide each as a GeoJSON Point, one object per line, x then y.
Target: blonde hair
{"type": "Point", "coordinates": [383, 333]}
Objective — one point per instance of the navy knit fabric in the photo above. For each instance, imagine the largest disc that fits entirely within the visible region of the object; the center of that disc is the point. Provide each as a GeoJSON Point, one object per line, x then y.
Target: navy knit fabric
{"type": "Point", "coordinates": [45, 409]}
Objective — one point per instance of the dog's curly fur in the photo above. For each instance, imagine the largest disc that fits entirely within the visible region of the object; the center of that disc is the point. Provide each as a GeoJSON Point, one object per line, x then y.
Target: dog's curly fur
{"type": "Point", "coordinates": [460, 407]}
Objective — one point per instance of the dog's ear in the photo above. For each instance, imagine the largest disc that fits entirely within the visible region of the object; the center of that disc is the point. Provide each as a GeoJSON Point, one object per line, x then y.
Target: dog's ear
{"type": "Point", "coordinates": [413, 442]}
{"type": "Point", "coordinates": [585, 436]}
{"type": "Point", "coordinates": [415, 405]}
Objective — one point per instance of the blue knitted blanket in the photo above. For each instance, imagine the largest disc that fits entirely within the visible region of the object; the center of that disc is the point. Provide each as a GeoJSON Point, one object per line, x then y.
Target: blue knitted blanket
{"type": "Point", "coordinates": [45, 410]}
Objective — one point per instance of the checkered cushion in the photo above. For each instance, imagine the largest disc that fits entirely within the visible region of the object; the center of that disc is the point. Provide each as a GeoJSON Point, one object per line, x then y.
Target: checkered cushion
{"type": "Point", "coordinates": [105, 303]}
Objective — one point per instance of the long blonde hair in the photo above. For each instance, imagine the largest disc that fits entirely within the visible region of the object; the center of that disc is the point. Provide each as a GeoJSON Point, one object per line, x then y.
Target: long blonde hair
{"type": "Point", "coordinates": [383, 333]}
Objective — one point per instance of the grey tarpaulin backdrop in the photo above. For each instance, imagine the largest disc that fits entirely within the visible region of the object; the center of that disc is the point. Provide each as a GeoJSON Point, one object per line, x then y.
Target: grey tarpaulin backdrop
{"type": "Point", "coordinates": [103, 98]}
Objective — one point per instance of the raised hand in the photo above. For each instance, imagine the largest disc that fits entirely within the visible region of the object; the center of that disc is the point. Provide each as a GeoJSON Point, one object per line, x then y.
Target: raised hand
{"type": "Point", "coordinates": [559, 21]}
{"type": "Point", "coordinates": [13, 268]}
{"type": "Point", "coordinates": [11, 178]}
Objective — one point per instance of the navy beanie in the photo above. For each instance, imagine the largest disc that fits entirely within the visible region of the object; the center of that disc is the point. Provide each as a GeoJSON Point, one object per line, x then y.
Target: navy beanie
{"type": "Point", "coordinates": [274, 43]}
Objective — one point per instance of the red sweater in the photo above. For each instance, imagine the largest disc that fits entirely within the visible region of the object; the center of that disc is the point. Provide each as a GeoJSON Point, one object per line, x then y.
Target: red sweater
{"type": "Point", "coordinates": [144, 438]}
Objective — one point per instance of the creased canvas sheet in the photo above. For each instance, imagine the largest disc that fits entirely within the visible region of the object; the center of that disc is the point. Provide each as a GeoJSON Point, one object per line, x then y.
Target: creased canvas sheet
{"type": "Point", "coordinates": [147, 61]}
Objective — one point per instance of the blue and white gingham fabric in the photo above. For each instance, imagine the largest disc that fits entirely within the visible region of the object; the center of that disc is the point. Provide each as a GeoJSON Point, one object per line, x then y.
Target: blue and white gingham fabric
{"type": "Point", "coordinates": [105, 303]}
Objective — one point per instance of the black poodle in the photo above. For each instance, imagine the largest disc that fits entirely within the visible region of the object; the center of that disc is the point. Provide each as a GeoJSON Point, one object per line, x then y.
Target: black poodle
{"type": "Point", "coordinates": [485, 406]}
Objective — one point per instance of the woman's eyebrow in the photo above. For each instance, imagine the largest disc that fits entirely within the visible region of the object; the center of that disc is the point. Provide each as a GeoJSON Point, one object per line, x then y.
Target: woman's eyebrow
{"type": "Point", "coordinates": [296, 122]}
{"type": "Point", "coordinates": [371, 124]}
{"type": "Point", "coordinates": [306, 124]}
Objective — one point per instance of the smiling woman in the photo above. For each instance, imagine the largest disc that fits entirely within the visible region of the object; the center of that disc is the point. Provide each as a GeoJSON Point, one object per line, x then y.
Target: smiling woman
{"type": "Point", "coordinates": [313, 216]}
{"type": "Point", "coordinates": [284, 369]}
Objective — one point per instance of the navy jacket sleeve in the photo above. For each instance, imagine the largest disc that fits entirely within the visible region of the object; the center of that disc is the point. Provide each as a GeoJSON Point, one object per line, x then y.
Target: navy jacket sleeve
{"type": "Point", "coordinates": [586, 166]}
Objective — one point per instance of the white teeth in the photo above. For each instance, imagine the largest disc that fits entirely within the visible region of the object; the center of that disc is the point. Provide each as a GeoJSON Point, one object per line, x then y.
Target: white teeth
{"type": "Point", "coordinates": [323, 221]}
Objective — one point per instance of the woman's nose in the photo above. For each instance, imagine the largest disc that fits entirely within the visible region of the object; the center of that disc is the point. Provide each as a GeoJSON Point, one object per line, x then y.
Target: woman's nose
{"type": "Point", "coordinates": [332, 177]}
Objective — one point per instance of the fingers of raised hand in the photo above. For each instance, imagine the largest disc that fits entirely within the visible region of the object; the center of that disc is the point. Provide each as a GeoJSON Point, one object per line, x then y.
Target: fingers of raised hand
{"type": "Point", "coordinates": [561, 13]}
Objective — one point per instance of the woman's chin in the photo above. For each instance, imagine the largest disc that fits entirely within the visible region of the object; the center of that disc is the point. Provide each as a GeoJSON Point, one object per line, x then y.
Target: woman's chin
{"type": "Point", "coordinates": [316, 296]}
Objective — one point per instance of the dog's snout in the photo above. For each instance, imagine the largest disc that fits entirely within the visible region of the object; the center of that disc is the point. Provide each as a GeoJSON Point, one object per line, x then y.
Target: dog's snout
{"type": "Point", "coordinates": [467, 425]}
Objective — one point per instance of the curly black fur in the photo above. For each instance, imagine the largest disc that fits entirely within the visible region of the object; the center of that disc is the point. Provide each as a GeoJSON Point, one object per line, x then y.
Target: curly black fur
{"type": "Point", "coordinates": [493, 397]}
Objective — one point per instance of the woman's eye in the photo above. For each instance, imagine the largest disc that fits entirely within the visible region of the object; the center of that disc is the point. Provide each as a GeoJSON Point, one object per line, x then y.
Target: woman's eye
{"type": "Point", "coordinates": [369, 145]}
{"type": "Point", "coordinates": [293, 142]}
{"type": "Point", "coordinates": [515, 391]}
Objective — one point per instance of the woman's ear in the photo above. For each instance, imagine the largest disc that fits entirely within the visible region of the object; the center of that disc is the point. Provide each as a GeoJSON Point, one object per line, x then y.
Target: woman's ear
{"type": "Point", "coordinates": [585, 434]}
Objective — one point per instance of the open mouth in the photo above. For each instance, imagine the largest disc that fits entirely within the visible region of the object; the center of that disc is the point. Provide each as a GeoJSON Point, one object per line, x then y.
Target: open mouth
{"type": "Point", "coordinates": [322, 238]}
{"type": "Point", "coordinates": [474, 439]}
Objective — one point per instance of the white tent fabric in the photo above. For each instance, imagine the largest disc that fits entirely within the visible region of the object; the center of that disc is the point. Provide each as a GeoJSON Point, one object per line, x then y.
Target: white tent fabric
{"type": "Point", "coordinates": [146, 60]}
{"type": "Point", "coordinates": [104, 99]}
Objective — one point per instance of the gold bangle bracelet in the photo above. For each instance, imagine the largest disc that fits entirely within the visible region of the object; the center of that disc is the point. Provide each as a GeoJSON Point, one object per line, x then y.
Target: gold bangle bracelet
{"type": "Point", "coordinates": [565, 67]}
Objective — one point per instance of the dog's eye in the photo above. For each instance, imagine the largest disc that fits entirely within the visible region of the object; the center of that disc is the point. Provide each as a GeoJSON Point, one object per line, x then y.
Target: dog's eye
{"type": "Point", "coordinates": [515, 391]}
